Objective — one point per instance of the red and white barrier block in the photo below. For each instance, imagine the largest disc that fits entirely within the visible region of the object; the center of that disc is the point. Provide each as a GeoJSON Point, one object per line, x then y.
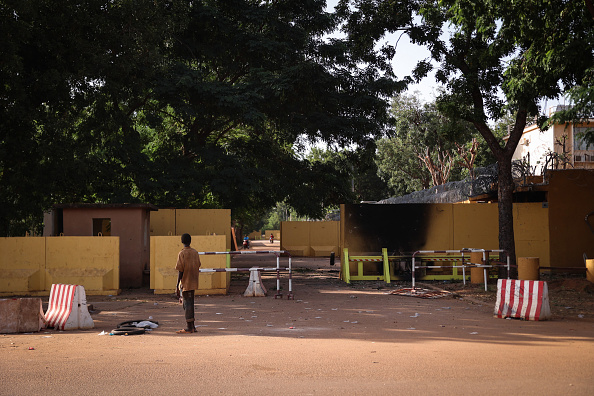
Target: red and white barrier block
{"type": "Point", "coordinates": [522, 299]}
{"type": "Point", "coordinates": [67, 308]}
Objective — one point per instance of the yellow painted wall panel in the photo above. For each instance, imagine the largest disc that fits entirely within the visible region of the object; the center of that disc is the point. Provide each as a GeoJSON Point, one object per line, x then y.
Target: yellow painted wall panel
{"type": "Point", "coordinates": [276, 233]}
{"type": "Point", "coordinates": [163, 222]}
{"type": "Point", "coordinates": [255, 236]}
{"type": "Point", "coordinates": [204, 222]}
{"type": "Point", "coordinates": [531, 225]}
{"type": "Point", "coordinates": [475, 226]}
{"type": "Point", "coordinates": [571, 202]}
{"type": "Point", "coordinates": [22, 263]}
{"type": "Point", "coordinates": [295, 237]}
{"type": "Point", "coordinates": [324, 237]}
{"type": "Point", "coordinates": [440, 233]}
{"type": "Point", "coordinates": [164, 251]}
{"type": "Point", "coordinates": [92, 262]}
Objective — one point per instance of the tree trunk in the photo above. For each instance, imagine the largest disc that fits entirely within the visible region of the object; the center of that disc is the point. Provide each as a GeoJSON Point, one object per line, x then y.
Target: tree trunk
{"type": "Point", "coordinates": [505, 190]}
{"type": "Point", "coordinates": [506, 215]}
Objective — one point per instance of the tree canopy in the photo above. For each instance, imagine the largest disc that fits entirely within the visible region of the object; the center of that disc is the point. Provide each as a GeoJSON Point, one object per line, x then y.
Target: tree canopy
{"type": "Point", "coordinates": [186, 103]}
{"type": "Point", "coordinates": [491, 57]}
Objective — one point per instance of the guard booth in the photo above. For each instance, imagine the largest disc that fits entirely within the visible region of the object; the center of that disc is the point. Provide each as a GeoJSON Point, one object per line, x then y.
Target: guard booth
{"type": "Point", "coordinates": [130, 222]}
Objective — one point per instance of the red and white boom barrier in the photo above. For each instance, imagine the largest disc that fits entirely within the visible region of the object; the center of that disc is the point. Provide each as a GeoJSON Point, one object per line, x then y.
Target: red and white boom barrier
{"type": "Point", "coordinates": [522, 299]}
{"type": "Point", "coordinates": [67, 308]}
{"type": "Point", "coordinates": [278, 268]}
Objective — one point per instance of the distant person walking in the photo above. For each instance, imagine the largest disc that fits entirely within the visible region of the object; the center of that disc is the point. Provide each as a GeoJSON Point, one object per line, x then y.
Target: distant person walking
{"type": "Point", "coordinates": [188, 265]}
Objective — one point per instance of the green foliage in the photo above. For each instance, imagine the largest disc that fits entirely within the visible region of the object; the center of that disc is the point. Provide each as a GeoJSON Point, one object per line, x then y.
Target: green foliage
{"type": "Point", "coordinates": [424, 141]}
{"type": "Point", "coordinates": [357, 170]}
{"type": "Point", "coordinates": [186, 104]}
{"type": "Point", "coordinates": [582, 109]}
{"type": "Point", "coordinates": [69, 75]}
{"type": "Point", "coordinates": [491, 56]}
{"type": "Point", "coordinates": [399, 166]}
{"type": "Point", "coordinates": [281, 212]}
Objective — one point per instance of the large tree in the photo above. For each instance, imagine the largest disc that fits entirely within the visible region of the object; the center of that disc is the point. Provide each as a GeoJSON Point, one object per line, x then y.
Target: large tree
{"type": "Point", "coordinates": [185, 103]}
{"type": "Point", "coordinates": [71, 76]}
{"type": "Point", "coordinates": [490, 56]}
{"type": "Point", "coordinates": [357, 169]}
{"type": "Point", "coordinates": [432, 137]}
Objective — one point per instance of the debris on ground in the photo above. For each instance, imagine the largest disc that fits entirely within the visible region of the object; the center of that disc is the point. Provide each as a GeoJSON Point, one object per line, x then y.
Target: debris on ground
{"type": "Point", "coordinates": [421, 293]}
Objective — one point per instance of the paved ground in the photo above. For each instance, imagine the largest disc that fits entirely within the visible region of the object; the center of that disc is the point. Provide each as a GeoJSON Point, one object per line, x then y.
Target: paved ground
{"type": "Point", "coordinates": [333, 339]}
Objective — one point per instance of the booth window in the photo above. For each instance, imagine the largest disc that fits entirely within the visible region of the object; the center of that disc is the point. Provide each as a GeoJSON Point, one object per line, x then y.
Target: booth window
{"type": "Point", "coordinates": [102, 226]}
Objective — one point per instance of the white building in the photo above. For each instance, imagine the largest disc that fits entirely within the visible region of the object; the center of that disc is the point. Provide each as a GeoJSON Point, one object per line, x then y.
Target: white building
{"type": "Point", "coordinates": [558, 147]}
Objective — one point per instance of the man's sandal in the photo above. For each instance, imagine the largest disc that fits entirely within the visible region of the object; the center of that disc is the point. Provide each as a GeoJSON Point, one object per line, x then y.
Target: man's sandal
{"type": "Point", "coordinates": [185, 331]}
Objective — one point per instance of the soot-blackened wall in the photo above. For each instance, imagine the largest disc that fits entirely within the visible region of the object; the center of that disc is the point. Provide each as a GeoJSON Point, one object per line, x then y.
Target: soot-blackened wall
{"type": "Point", "coordinates": [399, 228]}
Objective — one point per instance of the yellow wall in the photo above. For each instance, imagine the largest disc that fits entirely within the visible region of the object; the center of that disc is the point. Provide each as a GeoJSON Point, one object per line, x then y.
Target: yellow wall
{"type": "Point", "coordinates": [571, 201]}
{"type": "Point", "coordinates": [276, 233]}
{"type": "Point", "coordinates": [164, 251]}
{"type": "Point", "coordinates": [440, 233]}
{"type": "Point", "coordinates": [531, 232]}
{"type": "Point", "coordinates": [324, 238]}
{"type": "Point", "coordinates": [295, 238]}
{"type": "Point", "coordinates": [476, 225]}
{"type": "Point", "coordinates": [192, 221]}
{"type": "Point", "coordinates": [163, 222]}
{"type": "Point", "coordinates": [22, 264]}
{"type": "Point", "coordinates": [310, 238]}
{"type": "Point", "coordinates": [255, 236]}
{"type": "Point", "coordinates": [30, 266]}
{"type": "Point", "coordinates": [92, 262]}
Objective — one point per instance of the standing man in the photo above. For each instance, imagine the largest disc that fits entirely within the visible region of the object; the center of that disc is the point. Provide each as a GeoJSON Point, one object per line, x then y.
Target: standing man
{"type": "Point", "coordinates": [188, 265]}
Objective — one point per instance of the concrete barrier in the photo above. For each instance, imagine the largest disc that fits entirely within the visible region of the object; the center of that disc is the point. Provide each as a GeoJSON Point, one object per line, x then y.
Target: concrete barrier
{"type": "Point", "coordinates": [204, 222]}
{"type": "Point", "coordinates": [67, 308]}
{"type": "Point", "coordinates": [477, 274]}
{"type": "Point", "coordinates": [255, 286]}
{"type": "Point", "coordinates": [528, 300]}
{"type": "Point", "coordinates": [21, 315]}
{"type": "Point", "coordinates": [163, 222]}
{"type": "Point", "coordinates": [92, 262]}
{"type": "Point", "coordinates": [324, 238]}
{"type": "Point", "coordinates": [164, 251]}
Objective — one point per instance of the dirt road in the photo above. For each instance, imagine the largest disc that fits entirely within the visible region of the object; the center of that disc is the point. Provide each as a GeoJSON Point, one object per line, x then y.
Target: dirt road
{"type": "Point", "coordinates": [333, 339]}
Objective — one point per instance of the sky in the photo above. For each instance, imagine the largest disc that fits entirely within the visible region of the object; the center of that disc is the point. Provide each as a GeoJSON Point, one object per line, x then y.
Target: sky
{"type": "Point", "coordinates": [407, 56]}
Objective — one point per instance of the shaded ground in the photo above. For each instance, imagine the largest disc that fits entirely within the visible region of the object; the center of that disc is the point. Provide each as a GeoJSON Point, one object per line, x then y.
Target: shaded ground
{"type": "Point", "coordinates": [332, 339]}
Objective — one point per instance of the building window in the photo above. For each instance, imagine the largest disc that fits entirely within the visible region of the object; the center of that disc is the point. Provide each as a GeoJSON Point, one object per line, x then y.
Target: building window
{"type": "Point", "coordinates": [102, 226]}
{"type": "Point", "coordinates": [578, 142]}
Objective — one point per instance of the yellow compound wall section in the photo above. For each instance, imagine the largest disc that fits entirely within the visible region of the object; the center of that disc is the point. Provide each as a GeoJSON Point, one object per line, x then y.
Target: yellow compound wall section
{"type": "Point", "coordinates": [30, 265]}
{"type": "Point", "coordinates": [276, 233]}
{"type": "Point", "coordinates": [167, 222]}
{"type": "Point", "coordinates": [310, 238]}
{"type": "Point", "coordinates": [164, 251]}
{"type": "Point", "coordinates": [468, 225]}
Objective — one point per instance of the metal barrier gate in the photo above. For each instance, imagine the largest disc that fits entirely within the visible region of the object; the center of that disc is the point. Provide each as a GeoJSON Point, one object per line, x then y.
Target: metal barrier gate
{"type": "Point", "coordinates": [485, 264]}
{"type": "Point", "coordinates": [346, 271]}
{"type": "Point", "coordinates": [278, 269]}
